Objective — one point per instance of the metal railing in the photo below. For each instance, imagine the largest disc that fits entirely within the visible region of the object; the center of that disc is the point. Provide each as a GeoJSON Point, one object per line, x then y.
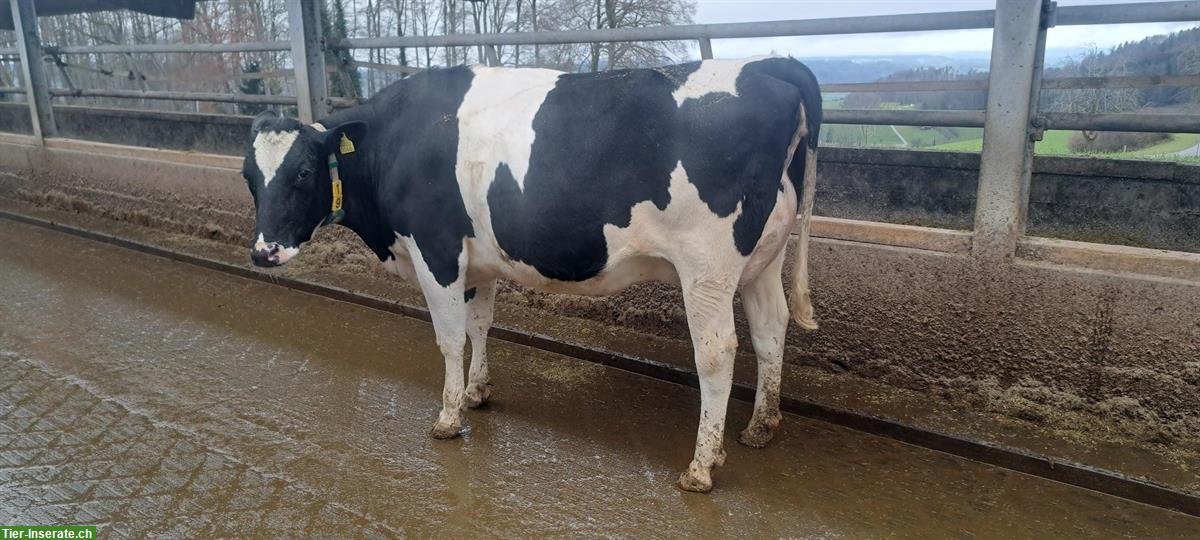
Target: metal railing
{"type": "Point", "coordinates": [1010, 127]}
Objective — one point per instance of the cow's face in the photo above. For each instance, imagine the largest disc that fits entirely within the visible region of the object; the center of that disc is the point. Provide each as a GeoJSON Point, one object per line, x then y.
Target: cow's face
{"type": "Point", "coordinates": [287, 171]}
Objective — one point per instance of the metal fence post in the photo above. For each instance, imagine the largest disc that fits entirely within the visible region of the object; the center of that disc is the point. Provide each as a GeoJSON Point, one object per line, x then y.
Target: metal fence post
{"type": "Point", "coordinates": [33, 69]}
{"type": "Point", "coordinates": [308, 59]}
{"type": "Point", "coordinates": [1004, 164]}
{"type": "Point", "coordinates": [705, 48]}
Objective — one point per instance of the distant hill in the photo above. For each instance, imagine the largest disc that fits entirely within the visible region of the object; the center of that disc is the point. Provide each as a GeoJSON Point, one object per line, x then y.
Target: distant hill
{"type": "Point", "coordinates": [868, 69]}
{"type": "Point", "coordinates": [1174, 54]}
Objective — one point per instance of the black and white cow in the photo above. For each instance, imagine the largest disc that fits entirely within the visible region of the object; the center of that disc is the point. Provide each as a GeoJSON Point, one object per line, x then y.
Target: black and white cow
{"type": "Point", "coordinates": [571, 183]}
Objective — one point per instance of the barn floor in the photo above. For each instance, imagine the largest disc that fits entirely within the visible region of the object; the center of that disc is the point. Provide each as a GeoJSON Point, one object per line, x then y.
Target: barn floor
{"type": "Point", "coordinates": [147, 396]}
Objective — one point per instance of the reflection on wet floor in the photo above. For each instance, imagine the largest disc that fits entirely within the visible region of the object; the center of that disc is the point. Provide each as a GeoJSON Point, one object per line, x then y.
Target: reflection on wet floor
{"type": "Point", "coordinates": [151, 397]}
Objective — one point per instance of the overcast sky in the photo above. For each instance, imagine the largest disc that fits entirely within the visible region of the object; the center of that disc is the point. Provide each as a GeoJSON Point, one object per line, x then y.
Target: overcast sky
{"type": "Point", "coordinates": [955, 41]}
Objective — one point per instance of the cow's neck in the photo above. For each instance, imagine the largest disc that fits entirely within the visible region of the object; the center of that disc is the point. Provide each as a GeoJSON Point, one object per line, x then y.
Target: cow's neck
{"type": "Point", "coordinates": [359, 187]}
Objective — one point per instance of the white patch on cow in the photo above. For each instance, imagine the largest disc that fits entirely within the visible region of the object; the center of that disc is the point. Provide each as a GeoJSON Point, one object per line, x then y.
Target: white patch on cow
{"type": "Point", "coordinates": [282, 256]}
{"type": "Point", "coordinates": [270, 147]}
{"type": "Point", "coordinates": [400, 263]}
{"type": "Point", "coordinates": [713, 76]}
{"type": "Point", "coordinates": [495, 124]}
{"type": "Point", "coordinates": [685, 233]}
{"type": "Point", "coordinates": [285, 254]}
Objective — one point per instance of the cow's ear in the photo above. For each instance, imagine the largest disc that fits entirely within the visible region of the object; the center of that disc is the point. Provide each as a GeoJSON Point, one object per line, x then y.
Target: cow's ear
{"type": "Point", "coordinates": [332, 141]}
{"type": "Point", "coordinates": [262, 120]}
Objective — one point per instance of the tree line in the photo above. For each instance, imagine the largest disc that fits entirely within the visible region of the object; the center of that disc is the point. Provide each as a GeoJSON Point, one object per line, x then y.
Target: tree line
{"type": "Point", "coordinates": [358, 73]}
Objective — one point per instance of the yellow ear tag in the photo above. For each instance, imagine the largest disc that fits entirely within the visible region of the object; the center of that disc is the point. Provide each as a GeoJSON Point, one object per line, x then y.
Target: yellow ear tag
{"type": "Point", "coordinates": [337, 196]}
{"type": "Point", "coordinates": [347, 146]}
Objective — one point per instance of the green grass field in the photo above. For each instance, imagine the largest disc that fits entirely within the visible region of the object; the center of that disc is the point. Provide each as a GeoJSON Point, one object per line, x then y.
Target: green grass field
{"type": "Point", "coordinates": [1054, 143]}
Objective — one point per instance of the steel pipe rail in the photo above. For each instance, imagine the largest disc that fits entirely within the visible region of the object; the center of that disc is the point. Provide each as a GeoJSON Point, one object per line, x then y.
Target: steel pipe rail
{"type": "Point", "coordinates": [1133, 81]}
{"type": "Point", "coordinates": [908, 86]}
{"type": "Point", "coordinates": [1149, 12]}
{"type": "Point", "coordinates": [1154, 123]}
{"type": "Point", "coordinates": [1065, 16]}
{"type": "Point", "coordinates": [918, 22]}
{"type": "Point", "coordinates": [904, 117]}
{"type": "Point", "coordinates": [11, 90]}
{"type": "Point", "coordinates": [251, 46]}
{"type": "Point", "coordinates": [175, 96]}
{"type": "Point", "coordinates": [1057, 83]}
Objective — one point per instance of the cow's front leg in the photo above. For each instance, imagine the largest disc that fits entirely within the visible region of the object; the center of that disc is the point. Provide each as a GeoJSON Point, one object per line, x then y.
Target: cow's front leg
{"type": "Point", "coordinates": [480, 302]}
{"type": "Point", "coordinates": [448, 311]}
{"type": "Point", "coordinates": [709, 306]}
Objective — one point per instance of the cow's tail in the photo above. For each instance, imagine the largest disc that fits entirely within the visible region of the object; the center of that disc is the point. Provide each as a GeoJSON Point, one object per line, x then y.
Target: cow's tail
{"type": "Point", "coordinates": [803, 173]}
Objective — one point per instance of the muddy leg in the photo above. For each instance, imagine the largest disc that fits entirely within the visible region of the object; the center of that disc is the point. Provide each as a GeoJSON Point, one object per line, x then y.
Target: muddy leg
{"type": "Point", "coordinates": [448, 311]}
{"type": "Point", "coordinates": [767, 312]}
{"type": "Point", "coordinates": [709, 306]}
{"type": "Point", "coordinates": [479, 320]}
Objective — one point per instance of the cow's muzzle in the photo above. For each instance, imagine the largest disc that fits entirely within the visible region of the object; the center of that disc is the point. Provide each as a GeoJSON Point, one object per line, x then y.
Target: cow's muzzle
{"type": "Point", "coordinates": [268, 254]}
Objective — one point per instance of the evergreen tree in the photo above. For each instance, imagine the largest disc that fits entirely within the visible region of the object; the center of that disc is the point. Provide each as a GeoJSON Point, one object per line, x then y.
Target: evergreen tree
{"type": "Point", "coordinates": [346, 81]}
{"type": "Point", "coordinates": [251, 86]}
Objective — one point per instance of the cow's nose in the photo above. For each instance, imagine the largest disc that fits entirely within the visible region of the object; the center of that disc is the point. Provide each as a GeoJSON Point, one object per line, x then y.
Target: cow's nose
{"type": "Point", "coordinates": [267, 255]}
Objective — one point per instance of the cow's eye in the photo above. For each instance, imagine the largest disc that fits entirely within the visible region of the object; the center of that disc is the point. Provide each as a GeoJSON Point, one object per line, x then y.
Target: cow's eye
{"type": "Point", "coordinates": [303, 174]}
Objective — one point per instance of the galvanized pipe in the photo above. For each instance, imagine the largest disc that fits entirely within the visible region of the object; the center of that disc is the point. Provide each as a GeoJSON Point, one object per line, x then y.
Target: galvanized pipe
{"type": "Point", "coordinates": [916, 22]}
{"type": "Point", "coordinates": [308, 59]}
{"type": "Point", "coordinates": [253, 46]}
{"type": "Point", "coordinates": [1134, 81]}
{"type": "Point", "coordinates": [176, 96]}
{"type": "Point", "coordinates": [1057, 83]}
{"type": "Point", "coordinates": [33, 69]}
{"type": "Point", "coordinates": [909, 86]}
{"type": "Point", "coordinates": [1150, 123]}
{"type": "Point", "coordinates": [884, 117]}
{"type": "Point", "coordinates": [1149, 12]}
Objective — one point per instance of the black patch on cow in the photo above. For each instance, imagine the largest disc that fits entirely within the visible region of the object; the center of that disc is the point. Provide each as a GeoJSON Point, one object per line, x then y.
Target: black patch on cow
{"type": "Point", "coordinates": [735, 147]}
{"type": "Point", "coordinates": [798, 74]}
{"type": "Point", "coordinates": [607, 141]}
{"type": "Point", "coordinates": [604, 142]}
{"type": "Point", "coordinates": [678, 73]}
{"type": "Point", "coordinates": [402, 177]}
{"type": "Point", "coordinates": [469, 294]}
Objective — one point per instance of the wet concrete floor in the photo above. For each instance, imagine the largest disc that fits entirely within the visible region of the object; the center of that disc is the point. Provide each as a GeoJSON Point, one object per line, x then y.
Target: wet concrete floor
{"type": "Point", "coordinates": [149, 397]}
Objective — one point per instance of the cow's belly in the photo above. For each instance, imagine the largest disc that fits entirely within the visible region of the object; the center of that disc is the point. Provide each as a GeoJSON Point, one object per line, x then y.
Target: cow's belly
{"type": "Point", "coordinates": [625, 268]}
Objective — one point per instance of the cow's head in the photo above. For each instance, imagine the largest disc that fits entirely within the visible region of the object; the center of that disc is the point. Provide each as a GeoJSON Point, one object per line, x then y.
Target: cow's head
{"type": "Point", "coordinates": [287, 170]}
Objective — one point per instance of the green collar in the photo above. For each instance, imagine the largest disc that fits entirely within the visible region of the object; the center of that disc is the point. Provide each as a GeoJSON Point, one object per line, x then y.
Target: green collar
{"type": "Point", "coordinates": [336, 213]}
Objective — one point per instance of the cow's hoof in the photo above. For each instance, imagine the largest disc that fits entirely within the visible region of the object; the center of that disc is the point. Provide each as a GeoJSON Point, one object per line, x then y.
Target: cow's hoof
{"type": "Point", "coordinates": [445, 430]}
{"type": "Point", "coordinates": [697, 479]}
{"type": "Point", "coordinates": [758, 434]}
{"type": "Point", "coordinates": [477, 395]}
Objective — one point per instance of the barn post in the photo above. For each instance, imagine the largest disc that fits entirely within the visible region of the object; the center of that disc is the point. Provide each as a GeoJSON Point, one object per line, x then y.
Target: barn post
{"type": "Point", "coordinates": [1005, 164]}
{"type": "Point", "coordinates": [33, 69]}
{"type": "Point", "coordinates": [308, 58]}
{"type": "Point", "coordinates": [705, 48]}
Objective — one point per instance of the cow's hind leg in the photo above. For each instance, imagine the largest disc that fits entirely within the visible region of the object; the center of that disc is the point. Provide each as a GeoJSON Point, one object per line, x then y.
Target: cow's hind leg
{"type": "Point", "coordinates": [709, 304]}
{"type": "Point", "coordinates": [767, 312]}
{"type": "Point", "coordinates": [480, 302]}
